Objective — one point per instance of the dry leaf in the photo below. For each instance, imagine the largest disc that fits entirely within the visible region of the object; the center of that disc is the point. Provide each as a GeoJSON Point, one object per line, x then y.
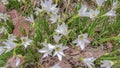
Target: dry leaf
{"type": "Point", "coordinates": [14, 15]}
{"type": "Point", "coordinates": [2, 8]}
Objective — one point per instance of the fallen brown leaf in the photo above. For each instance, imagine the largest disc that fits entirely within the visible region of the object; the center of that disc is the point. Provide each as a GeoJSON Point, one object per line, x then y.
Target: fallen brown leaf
{"type": "Point", "coordinates": [2, 8]}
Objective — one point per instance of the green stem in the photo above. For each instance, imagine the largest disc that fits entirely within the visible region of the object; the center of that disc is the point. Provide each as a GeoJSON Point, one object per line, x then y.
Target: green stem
{"type": "Point", "coordinates": [74, 17]}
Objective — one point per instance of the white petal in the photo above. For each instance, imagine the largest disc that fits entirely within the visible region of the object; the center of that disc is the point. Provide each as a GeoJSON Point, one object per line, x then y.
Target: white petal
{"type": "Point", "coordinates": [43, 50]}
{"type": "Point", "coordinates": [17, 61]}
{"type": "Point", "coordinates": [61, 53]}
{"type": "Point", "coordinates": [50, 46]}
{"type": "Point", "coordinates": [85, 35]}
{"type": "Point", "coordinates": [76, 41]}
{"type": "Point", "coordinates": [45, 55]}
{"type": "Point", "coordinates": [25, 45]}
{"type": "Point", "coordinates": [82, 45]}
{"type": "Point", "coordinates": [59, 57]}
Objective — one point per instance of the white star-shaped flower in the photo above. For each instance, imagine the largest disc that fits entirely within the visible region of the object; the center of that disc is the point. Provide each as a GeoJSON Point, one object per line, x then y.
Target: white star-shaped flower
{"type": "Point", "coordinates": [82, 11]}
{"type": "Point", "coordinates": [93, 13]}
{"type": "Point", "coordinates": [81, 40]}
{"type": "Point", "coordinates": [89, 62]}
{"type": "Point", "coordinates": [106, 64]}
{"type": "Point", "coordinates": [100, 2]}
{"type": "Point", "coordinates": [47, 50]}
{"type": "Point", "coordinates": [26, 41]}
{"type": "Point", "coordinates": [49, 7]}
{"type": "Point", "coordinates": [59, 51]}
{"type": "Point", "coordinates": [30, 18]}
{"type": "Point", "coordinates": [55, 18]}
{"type": "Point", "coordinates": [62, 29]}
{"type": "Point", "coordinates": [57, 38]}
{"type": "Point", "coordinates": [111, 13]}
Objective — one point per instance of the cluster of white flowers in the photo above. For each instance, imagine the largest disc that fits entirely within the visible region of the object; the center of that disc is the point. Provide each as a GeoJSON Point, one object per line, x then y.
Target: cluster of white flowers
{"type": "Point", "coordinates": [4, 17]}
{"type": "Point", "coordinates": [90, 63]}
{"type": "Point", "coordinates": [50, 9]}
{"type": "Point", "coordinates": [47, 6]}
{"type": "Point", "coordinates": [62, 30]}
{"type": "Point", "coordinates": [3, 30]}
{"type": "Point", "coordinates": [10, 44]}
{"type": "Point", "coordinates": [85, 12]}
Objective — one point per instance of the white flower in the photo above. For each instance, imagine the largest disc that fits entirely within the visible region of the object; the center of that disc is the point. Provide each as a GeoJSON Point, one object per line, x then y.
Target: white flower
{"type": "Point", "coordinates": [49, 7]}
{"type": "Point", "coordinates": [56, 66]}
{"type": "Point", "coordinates": [82, 11]}
{"type": "Point", "coordinates": [10, 44]}
{"type": "Point", "coordinates": [5, 2]}
{"type": "Point", "coordinates": [47, 50]}
{"type": "Point", "coordinates": [114, 5]}
{"type": "Point", "coordinates": [119, 34]}
{"type": "Point", "coordinates": [57, 38]}
{"type": "Point", "coordinates": [59, 51]}
{"type": "Point", "coordinates": [111, 13]}
{"type": "Point", "coordinates": [4, 17]}
{"type": "Point", "coordinates": [12, 37]}
{"type": "Point", "coordinates": [81, 40]}
{"type": "Point", "coordinates": [30, 18]}
{"type": "Point", "coordinates": [3, 30]}
{"type": "Point", "coordinates": [62, 29]}
{"type": "Point", "coordinates": [19, 0]}
{"type": "Point", "coordinates": [85, 12]}
{"type": "Point", "coordinates": [93, 13]}
{"type": "Point", "coordinates": [89, 62]}
{"type": "Point", "coordinates": [2, 50]}
{"type": "Point", "coordinates": [100, 2]}
{"type": "Point", "coordinates": [55, 18]}
{"type": "Point", "coordinates": [107, 64]}
{"type": "Point", "coordinates": [25, 41]}
{"type": "Point", "coordinates": [37, 11]}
